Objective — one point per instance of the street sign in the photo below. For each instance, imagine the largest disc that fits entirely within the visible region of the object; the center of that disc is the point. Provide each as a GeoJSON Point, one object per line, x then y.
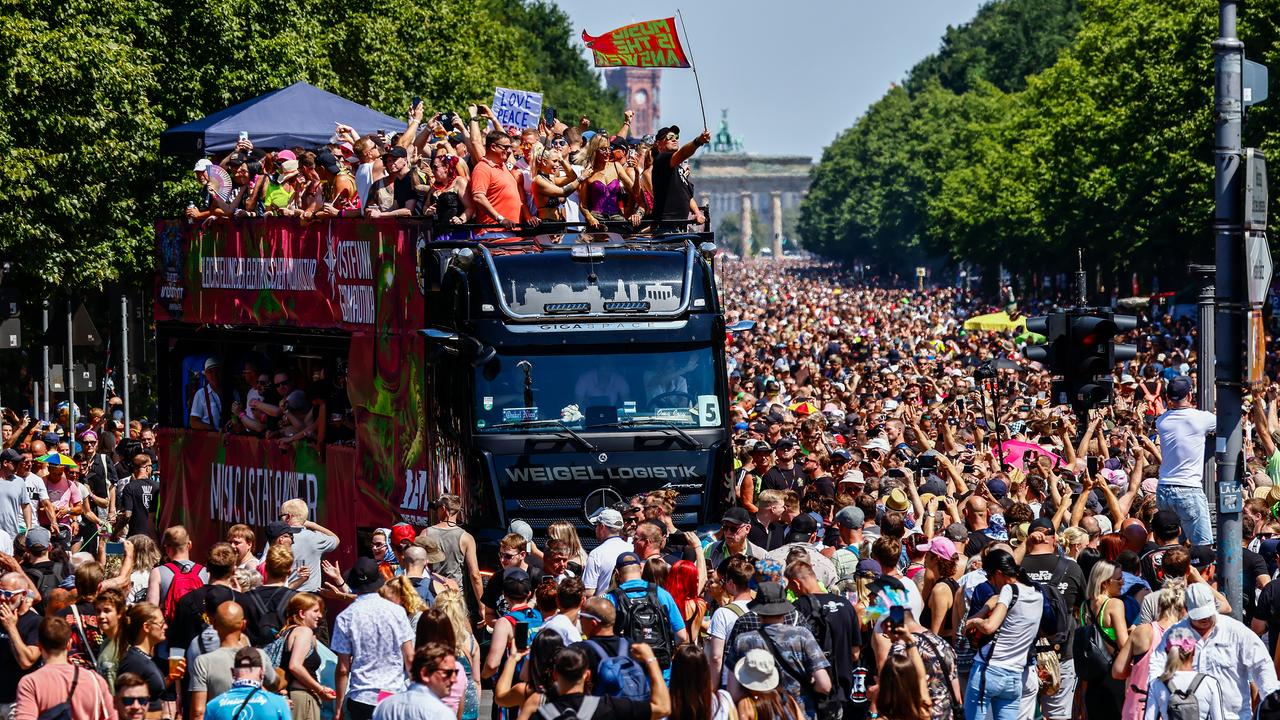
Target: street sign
{"type": "Point", "coordinates": [1255, 190]}
{"type": "Point", "coordinates": [1254, 81]}
{"type": "Point", "coordinates": [1257, 266]}
{"type": "Point", "coordinates": [57, 379]}
{"type": "Point", "coordinates": [1255, 348]}
{"type": "Point", "coordinates": [10, 334]}
{"type": "Point", "coordinates": [1230, 499]}
{"type": "Point", "coordinates": [85, 332]}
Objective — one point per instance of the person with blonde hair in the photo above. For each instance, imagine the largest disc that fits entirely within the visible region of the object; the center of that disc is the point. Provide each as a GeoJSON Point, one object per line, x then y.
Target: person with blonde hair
{"type": "Point", "coordinates": [565, 531]}
{"type": "Point", "coordinates": [310, 542]}
{"type": "Point", "coordinates": [1131, 662]}
{"type": "Point", "coordinates": [400, 590]}
{"type": "Point", "coordinates": [1180, 675]}
{"type": "Point", "coordinates": [1074, 540]}
{"type": "Point", "coordinates": [301, 661]}
{"type": "Point", "coordinates": [1102, 606]}
{"type": "Point", "coordinates": [453, 604]}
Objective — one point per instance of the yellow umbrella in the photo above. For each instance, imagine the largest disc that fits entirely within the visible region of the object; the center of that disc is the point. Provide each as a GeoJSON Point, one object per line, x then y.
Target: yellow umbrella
{"type": "Point", "coordinates": [995, 322]}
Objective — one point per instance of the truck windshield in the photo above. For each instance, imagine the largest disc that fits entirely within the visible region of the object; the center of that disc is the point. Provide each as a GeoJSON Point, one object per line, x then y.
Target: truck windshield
{"type": "Point", "coordinates": [612, 392]}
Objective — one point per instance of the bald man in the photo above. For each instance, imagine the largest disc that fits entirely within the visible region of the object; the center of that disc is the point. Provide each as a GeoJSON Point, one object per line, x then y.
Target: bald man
{"type": "Point", "coordinates": [1136, 537]}
{"type": "Point", "coordinates": [976, 516]}
{"type": "Point", "coordinates": [211, 673]}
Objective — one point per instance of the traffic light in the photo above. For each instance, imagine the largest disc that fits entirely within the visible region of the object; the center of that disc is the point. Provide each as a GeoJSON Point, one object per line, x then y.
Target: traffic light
{"type": "Point", "coordinates": [1081, 350]}
{"type": "Point", "coordinates": [1092, 353]}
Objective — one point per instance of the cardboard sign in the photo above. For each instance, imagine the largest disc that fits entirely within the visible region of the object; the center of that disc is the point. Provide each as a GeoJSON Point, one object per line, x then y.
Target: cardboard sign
{"type": "Point", "coordinates": [521, 108]}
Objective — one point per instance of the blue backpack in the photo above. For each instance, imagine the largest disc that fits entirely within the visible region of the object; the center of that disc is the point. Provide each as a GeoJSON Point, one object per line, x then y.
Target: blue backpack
{"type": "Point", "coordinates": [620, 676]}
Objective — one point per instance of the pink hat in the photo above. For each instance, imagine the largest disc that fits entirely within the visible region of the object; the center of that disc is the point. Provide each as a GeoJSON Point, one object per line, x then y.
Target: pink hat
{"type": "Point", "coordinates": [940, 546]}
{"type": "Point", "coordinates": [285, 155]}
{"type": "Point", "coordinates": [89, 435]}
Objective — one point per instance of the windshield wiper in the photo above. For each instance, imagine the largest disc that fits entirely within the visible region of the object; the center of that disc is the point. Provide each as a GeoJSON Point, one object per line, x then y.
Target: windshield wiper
{"type": "Point", "coordinates": [552, 423]}
{"type": "Point", "coordinates": [662, 422]}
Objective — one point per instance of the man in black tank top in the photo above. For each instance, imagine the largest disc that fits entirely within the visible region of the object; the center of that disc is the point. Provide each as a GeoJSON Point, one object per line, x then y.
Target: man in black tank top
{"type": "Point", "coordinates": [1044, 564]}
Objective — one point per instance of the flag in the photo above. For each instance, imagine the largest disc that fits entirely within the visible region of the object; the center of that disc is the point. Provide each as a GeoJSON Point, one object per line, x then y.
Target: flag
{"type": "Point", "coordinates": [653, 43]}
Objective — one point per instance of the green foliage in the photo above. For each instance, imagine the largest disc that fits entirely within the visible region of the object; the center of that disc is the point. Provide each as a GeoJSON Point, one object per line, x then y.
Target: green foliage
{"type": "Point", "coordinates": [88, 86]}
{"type": "Point", "coordinates": [1105, 146]}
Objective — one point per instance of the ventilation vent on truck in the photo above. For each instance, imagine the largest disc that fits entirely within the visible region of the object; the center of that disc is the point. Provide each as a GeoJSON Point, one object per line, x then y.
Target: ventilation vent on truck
{"type": "Point", "coordinates": [566, 308]}
{"type": "Point", "coordinates": [626, 307]}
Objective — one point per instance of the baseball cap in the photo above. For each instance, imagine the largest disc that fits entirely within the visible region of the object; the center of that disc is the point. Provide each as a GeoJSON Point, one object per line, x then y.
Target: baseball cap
{"type": "Point", "coordinates": [998, 488]}
{"type": "Point", "coordinates": [665, 131]}
{"type": "Point", "coordinates": [11, 455]}
{"type": "Point", "coordinates": [1202, 556]}
{"type": "Point", "coordinates": [940, 546]}
{"type": "Point", "coordinates": [804, 525]}
{"type": "Point", "coordinates": [736, 516]}
{"type": "Point", "coordinates": [957, 532]}
{"type": "Point", "coordinates": [39, 537]}
{"type": "Point", "coordinates": [1166, 523]}
{"type": "Point", "coordinates": [365, 576]}
{"type": "Point", "coordinates": [1200, 601]}
{"type": "Point", "coordinates": [853, 476]}
{"type": "Point", "coordinates": [398, 151]}
{"type": "Point", "coordinates": [212, 363]}
{"type": "Point", "coordinates": [626, 559]}
{"type": "Point", "coordinates": [607, 517]}
{"type": "Point", "coordinates": [516, 583]}
{"type": "Point", "coordinates": [850, 517]}
{"type": "Point", "coordinates": [247, 657]}
{"type": "Point", "coordinates": [402, 533]}
{"type": "Point", "coordinates": [787, 443]}
{"type": "Point", "coordinates": [1042, 523]}
{"type": "Point", "coordinates": [521, 528]}
{"type": "Point", "coordinates": [202, 165]}
{"type": "Point", "coordinates": [276, 528]}
{"type": "Point", "coordinates": [841, 454]}
{"type": "Point", "coordinates": [1178, 388]}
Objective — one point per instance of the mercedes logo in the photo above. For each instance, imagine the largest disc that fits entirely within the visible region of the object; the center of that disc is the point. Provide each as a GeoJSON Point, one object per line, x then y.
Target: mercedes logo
{"type": "Point", "coordinates": [600, 498]}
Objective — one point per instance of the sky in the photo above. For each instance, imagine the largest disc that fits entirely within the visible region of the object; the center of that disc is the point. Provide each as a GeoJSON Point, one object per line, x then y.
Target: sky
{"type": "Point", "coordinates": [794, 74]}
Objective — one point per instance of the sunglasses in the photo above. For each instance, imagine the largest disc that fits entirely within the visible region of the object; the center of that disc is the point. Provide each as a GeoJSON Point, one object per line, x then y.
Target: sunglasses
{"type": "Point", "coordinates": [9, 594]}
{"type": "Point", "coordinates": [559, 143]}
{"type": "Point", "coordinates": [502, 147]}
{"type": "Point", "coordinates": [450, 672]}
{"type": "Point", "coordinates": [509, 555]}
{"type": "Point", "coordinates": [128, 700]}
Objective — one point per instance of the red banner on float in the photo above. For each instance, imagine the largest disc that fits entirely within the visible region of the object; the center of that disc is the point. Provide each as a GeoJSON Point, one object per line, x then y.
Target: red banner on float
{"type": "Point", "coordinates": [211, 482]}
{"type": "Point", "coordinates": [326, 274]}
{"type": "Point", "coordinates": [653, 43]}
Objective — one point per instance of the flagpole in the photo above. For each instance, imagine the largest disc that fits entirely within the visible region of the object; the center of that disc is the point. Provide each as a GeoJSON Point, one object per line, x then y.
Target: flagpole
{"type": "Point", "coordinates": [697, 83]}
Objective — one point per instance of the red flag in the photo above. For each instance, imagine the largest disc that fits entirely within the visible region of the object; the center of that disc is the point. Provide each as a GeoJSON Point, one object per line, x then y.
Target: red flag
{"type": "Point", "coordinates": [653, 43]}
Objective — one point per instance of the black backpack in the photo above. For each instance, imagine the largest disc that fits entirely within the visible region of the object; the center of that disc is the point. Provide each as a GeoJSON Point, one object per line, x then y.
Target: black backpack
{"type": "Point", "coordinates": [1056, 624]}
{"type": "Point", "coordinates": [814, 617]}
{"type": "Point", "coordinates": [644, 620]}
{"type": "Point", "coordinates": [269, 614]}
{"type": "Point", "coordinates": [45, 581]}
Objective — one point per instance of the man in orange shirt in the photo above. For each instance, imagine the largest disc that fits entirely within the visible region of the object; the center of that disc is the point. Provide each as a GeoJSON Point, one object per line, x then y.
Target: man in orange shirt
{"type": "Point", "coordinates": [496, 191]}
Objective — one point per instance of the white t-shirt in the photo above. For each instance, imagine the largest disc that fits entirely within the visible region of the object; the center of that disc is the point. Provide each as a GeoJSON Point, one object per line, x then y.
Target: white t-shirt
{"type": "Point", "coordinates": [1208, 696]}
{"type": "Point", "coordinates": [561, 624]}
{"type": "Point", "coordinates": [1182, 436]}
{"type": "Point", "coordinates": [37, 492]}
{"type": "Point", "coordinates": [722, 620]}
{"type": "Point", "coordinates": [364, 180]}
{"type": "Point", "coordinates": [598, 572]}
{"type": "Point", "coordinates": [1013, 641]}
{"type": "Point", "coordinates": [308, 547]}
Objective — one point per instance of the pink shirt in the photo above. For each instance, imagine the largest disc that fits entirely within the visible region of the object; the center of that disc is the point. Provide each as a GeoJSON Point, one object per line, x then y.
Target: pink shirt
{"type": "Point", "coordinates": [49, 686]}
{"type": "Point", "coordinates": [1135, 686]}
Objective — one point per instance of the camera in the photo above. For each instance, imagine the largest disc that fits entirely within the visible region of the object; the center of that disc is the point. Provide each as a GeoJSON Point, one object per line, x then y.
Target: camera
{"type": "Point", "coordinates": [986, 371]}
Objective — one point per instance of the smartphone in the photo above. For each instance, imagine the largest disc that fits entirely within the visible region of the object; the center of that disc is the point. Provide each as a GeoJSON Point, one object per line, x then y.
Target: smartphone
{"type": "Point", "coordinates": [960, 404]}
{"type": "Point", "coordinates": [415, 102]}
{"type": "Point", "coordinates": [1091, 463]}
{"type": "Point", "coordinates": [115, 548]}
{"type": "Point", "coordinates": [896, 616]}
{"type": "Point", "coordinates": [549, 115]}
{"type": "Point", "coordinates": [446, 119]}
{"type": "Point", "coordinates": [244, 135]}
{"type": "Point", "coordinates": [522, 636]}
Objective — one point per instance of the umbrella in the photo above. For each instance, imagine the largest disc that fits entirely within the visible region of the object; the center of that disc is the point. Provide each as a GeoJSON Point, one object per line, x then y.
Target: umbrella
{"type": "Point", "coordinates": [995, 322]}
{"type": "Point", "coordinates": [1011, 452]}
{"type": "Point", "coordinates": [54, 458]}
{"type": "Point", "coordinates": [219, 181]}
{"type": "Point", "coordinates": [803, 408]}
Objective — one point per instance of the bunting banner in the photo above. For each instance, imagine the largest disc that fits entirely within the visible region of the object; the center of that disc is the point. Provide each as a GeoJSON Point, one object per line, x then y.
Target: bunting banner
{"type": "Point", "coordinates": [653, 43]}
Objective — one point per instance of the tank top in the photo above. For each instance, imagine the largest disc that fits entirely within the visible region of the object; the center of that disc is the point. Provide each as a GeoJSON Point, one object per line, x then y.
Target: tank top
{"type": "Point", "coordinates": [450, 539]}
{"type": "Point", "coordinates": [948, 625]}
{"type": "Point", "coordinates": [1135, 687]}
{"type": "Point", "coordinates": [311, 663]}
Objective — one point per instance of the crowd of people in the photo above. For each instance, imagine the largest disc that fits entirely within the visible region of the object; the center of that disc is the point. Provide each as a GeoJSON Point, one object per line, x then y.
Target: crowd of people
{"type": "Point", "coordinates": [916, 532]}
{"type": "Point", "coordinates": [477, 172]}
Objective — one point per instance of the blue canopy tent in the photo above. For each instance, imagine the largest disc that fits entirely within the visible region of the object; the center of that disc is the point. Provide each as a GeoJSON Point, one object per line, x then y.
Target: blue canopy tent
{"type": "Point", "coordinates": [300, 114]}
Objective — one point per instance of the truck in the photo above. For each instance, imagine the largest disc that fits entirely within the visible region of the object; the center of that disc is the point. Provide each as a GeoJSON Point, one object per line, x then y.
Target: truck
{"type": "Point", "coordinates": [538, 377]}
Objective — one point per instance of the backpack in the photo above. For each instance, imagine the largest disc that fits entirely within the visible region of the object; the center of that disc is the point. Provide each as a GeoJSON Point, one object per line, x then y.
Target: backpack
{"type": "Point", "coordinates": [46, 581]}
{"type": "Point", "coordinates": [644, 620]}
{"type": "Point", "coordinates": [815, 619]}
{"type": "Point", "coordinates": [1269, 708]}
{"type": "Point", "coordinates": [1089, 650]}
{"type": "Point", "coordinates": [619, 675]}
{"type": "Point", "coordinates": [269, 620]}
{"type": "Point", "coordinates": [1183, 704]}
{"type": "Point", "coordinates": [585, 711]}
{"type": "Point", "coordinates": [1055, 616]}
{"type": "Point", "coordinates": [1132, 607]}
{"type": "Point", "coordinates": [183, 582]}
{"type": "Point", "coordinates": [275, 650]}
